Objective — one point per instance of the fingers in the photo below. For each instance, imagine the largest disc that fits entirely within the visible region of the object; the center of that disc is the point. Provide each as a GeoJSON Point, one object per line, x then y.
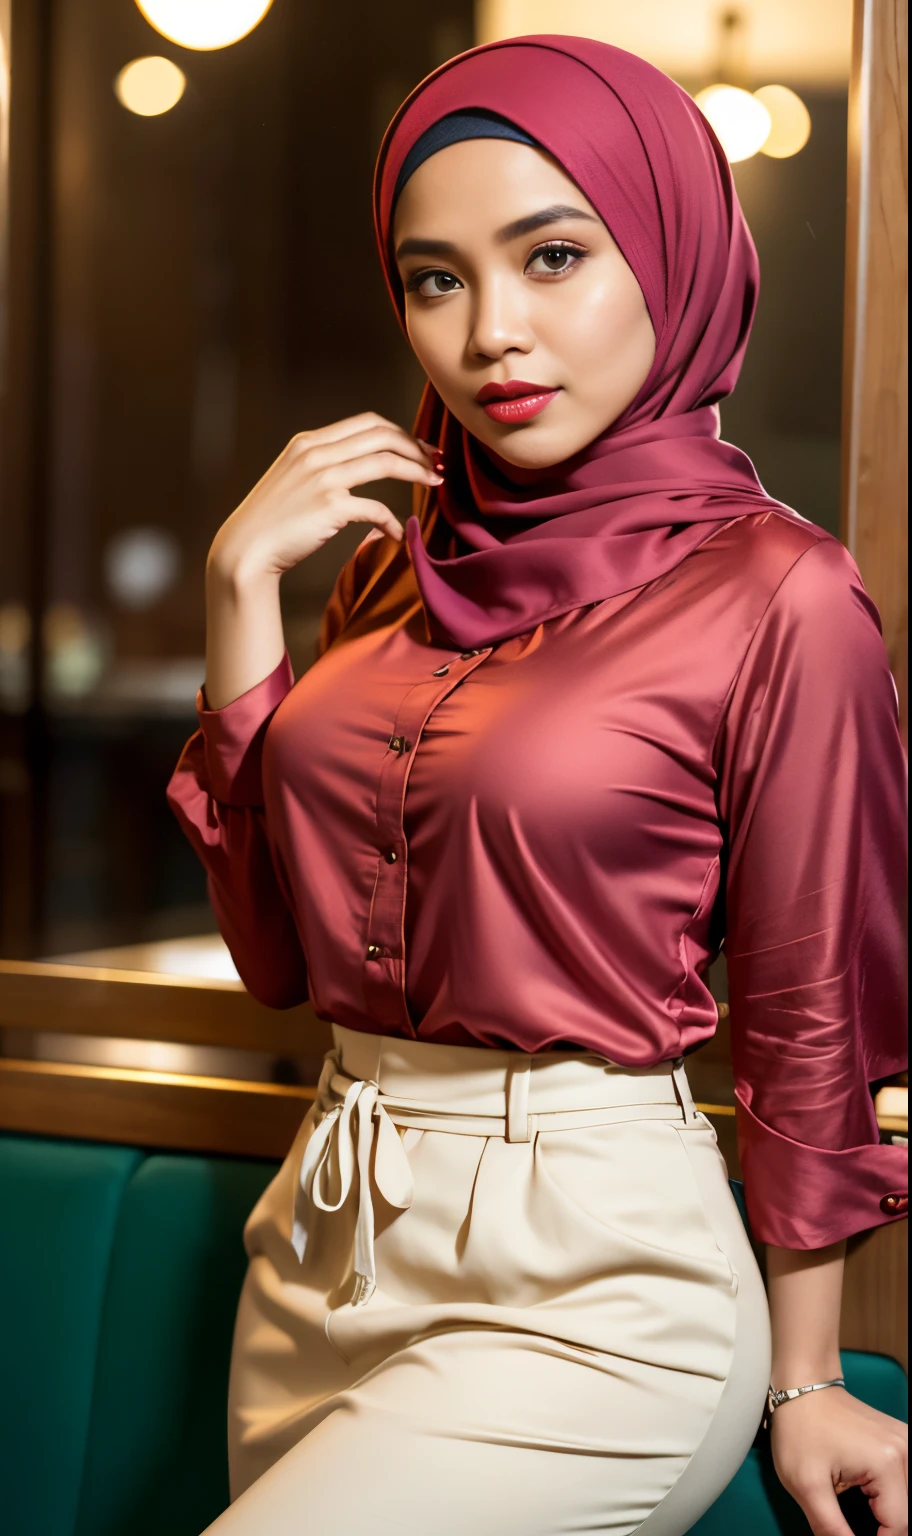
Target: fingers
{"type": "Point", "coordinates": [320, 456]}
{"type": "Point", "coordinates": [821, 1507]}
{"type": "Point", "coordinates": [359, 509]}
{"type": "Point", "coordinates": [335, 431]}
{"type": "Point", "coordinates": [339, 431]}
{"type": "Point", "coordinates": [377, 466]}
{"type": "Point", "coordinates": [887, 1489]}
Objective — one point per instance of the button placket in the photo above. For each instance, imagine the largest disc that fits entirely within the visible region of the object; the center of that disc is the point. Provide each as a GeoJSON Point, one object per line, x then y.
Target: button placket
{"type": "Point", "coordinates": [384, 973]}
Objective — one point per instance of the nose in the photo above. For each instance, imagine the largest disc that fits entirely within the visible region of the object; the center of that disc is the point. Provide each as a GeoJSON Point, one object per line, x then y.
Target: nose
{"type": "Point", "coordinates": [500, 322]}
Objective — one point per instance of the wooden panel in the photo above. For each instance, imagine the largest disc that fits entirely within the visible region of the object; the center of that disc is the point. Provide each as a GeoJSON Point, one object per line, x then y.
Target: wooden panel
{"type": "Point", "coordinates": [166, 1109]}
{"type": "Point", "coordinates": [875, 1293]}
{"type": "Point", "coordinates": [139, 1005]}
{"type": "Point", "coordinates": [151, 1109]}
{"type": "Point", "coordinates": [205, 1114]}
{"type": "Point", "coordinates": [875, 376]}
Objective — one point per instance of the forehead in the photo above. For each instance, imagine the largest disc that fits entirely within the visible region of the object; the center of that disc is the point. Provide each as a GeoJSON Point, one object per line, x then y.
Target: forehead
{"type": "Point", "coordinates": [482, 179]}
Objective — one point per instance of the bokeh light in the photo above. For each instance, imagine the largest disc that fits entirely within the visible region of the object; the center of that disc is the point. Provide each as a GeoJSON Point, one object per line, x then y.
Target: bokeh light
{"type": "Point", "coordinates": [141, 565]}
{"type": "Point", "coordinates": [741, 123]}
{"type": "Point", "coordinates": [791, 121]}
{"type": "Point", "coordinates": [77, 648]}
{"type": "Point", "coordinates": [149, 86]}
{"type": "Point", "coordinates": [204, 23]}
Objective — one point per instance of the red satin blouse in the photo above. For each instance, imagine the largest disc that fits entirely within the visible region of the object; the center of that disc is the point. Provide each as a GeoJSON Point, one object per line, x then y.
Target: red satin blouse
{"type": "Point", "coordinates": [548, 840]}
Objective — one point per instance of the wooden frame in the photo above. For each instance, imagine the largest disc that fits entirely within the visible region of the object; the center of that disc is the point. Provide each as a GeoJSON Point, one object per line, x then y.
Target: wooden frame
{"type": "Point", "coordinates": [255, 1119]}
{"type": "Point", "coordinates": [875, 360]}
{"type": "Point", "coordinates": [143, 1005]}
{"type": "Point", "coordinates": [156, 1109]}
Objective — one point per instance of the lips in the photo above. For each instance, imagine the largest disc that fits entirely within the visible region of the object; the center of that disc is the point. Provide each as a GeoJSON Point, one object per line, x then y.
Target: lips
{"type": "Point", "coordinates": [515, 401]}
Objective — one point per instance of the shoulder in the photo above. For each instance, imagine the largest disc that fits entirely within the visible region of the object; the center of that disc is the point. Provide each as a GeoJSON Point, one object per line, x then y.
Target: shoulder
{"type": "Point", "coordinates": [762, 547]}
{"type": "Point", "coordinates": [819, 638]}
{"type": "Point", "coordinates": [821, 595]}
{"type": "Point", "coordinates": [793, 571]}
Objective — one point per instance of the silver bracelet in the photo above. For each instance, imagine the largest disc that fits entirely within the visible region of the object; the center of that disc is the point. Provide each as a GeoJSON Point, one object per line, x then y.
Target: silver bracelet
{"type": "Point", "coordinates": [775, 1399]}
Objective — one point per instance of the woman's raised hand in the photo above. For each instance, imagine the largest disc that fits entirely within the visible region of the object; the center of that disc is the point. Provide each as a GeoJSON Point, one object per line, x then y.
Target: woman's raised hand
{"type": "Point", "coordinates": [302, 500]}
{"type": "Point", "coordinates": [305, 496]}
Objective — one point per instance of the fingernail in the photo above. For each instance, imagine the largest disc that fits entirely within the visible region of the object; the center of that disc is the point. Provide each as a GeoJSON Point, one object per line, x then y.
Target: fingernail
{"type": "Point", "coordinates": [437, 479]}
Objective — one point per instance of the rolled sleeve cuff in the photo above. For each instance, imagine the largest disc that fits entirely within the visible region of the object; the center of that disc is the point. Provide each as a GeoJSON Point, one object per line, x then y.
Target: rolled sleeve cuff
{"type": "Point", "coordinates": [233, 737]}
{"type": "Point", "coordinates": [808, 1197]}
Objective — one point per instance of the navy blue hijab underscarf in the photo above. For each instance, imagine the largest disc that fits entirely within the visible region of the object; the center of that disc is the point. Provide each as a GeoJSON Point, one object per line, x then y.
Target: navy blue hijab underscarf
{"type": "Point", "coordinates": [451, 129]}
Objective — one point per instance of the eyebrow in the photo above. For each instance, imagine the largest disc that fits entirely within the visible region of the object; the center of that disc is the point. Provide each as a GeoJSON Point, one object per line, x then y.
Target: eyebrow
{"type": "Point", "coordinates": [417, 246]}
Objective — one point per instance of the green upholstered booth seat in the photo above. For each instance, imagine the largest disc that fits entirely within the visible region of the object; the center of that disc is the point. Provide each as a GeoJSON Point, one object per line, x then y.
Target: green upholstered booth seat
{"type": "Point", "coordinates": [59, 1210]}
{"type": "Point", "coordinates": [118, 1290]}
{"type": "Point", "coordinates": [118, 1287]}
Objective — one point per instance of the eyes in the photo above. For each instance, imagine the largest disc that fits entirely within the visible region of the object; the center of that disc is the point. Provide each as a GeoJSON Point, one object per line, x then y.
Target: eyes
{"type": "Point", "coordinates": [555, 260]}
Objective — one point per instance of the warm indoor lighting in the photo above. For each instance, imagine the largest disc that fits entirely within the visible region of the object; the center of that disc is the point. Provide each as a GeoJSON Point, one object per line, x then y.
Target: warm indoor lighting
{"type": "Point", "coordinates": [809, 40]}
{"type": "Point", "coordinates": [150, 86]}
{"type": "Point", "coordinates": [141, 565]}
{"type": "Point", "coordinates": [791, 121]}
{"type": "Point", "coordinates": [741, 122]}
{"type": "Point", "coordinates": [204, 23]}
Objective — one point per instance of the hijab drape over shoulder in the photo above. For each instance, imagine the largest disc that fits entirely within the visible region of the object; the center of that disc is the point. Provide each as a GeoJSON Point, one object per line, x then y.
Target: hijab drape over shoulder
{"type": "Point", "coordinates": [496, 550]}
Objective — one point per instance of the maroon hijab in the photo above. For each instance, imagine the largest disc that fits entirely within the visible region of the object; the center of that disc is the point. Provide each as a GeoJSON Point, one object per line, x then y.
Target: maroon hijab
{"type": "Point", "coordinates": [496, 550]}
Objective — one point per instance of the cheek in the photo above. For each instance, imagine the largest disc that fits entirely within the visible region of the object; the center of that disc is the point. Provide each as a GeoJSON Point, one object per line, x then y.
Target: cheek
{"type": "Point", "coordinates": [605, 336]}
{"type": "Point", "coordinates": [437, 340]}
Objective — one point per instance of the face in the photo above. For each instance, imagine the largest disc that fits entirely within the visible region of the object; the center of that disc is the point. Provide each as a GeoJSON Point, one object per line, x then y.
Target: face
{"type": "Point", "coordinates": [511, 278]}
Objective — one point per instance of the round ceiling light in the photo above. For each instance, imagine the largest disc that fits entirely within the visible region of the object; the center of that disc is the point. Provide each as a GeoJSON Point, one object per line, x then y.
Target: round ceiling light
{"type": "Point", "coordinates": [149, 86]}
{"type": "Point", "coordinates": [140, 565]}
{"type": "Point", "coordinates": [791, 121]}
{"type": "Point", "coordinates": [741, 123]}
{"type": "Point", "coordinates": [204, 23]}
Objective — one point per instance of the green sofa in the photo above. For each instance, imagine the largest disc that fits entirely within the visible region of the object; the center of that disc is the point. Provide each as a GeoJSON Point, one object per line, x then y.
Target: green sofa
{"type": "Point", "coordinates": [118, 1286]}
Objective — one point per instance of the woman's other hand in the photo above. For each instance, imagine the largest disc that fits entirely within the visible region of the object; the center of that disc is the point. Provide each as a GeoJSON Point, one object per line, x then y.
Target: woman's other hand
{"type": "Point", "coordinates": [826, 1442]}
{"type": "Point", "coordinates": [305, 496]}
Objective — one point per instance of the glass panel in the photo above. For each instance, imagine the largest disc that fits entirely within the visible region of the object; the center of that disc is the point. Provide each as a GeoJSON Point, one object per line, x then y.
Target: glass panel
{"type": "Point", "coordinates": [213, 290]}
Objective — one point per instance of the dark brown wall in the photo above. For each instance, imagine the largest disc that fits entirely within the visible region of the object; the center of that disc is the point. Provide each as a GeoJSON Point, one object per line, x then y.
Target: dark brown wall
{"type": "Point", "coordinates": [188, 292]}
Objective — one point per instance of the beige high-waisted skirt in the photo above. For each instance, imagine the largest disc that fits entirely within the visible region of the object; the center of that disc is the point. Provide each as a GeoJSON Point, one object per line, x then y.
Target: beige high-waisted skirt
{"type": "Point", "coordinates": [493, 1294]}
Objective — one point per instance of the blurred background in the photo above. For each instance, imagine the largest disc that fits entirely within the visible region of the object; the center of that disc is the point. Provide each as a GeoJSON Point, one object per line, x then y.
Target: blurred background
{"type": "Point", "coordinates": [188, 277]}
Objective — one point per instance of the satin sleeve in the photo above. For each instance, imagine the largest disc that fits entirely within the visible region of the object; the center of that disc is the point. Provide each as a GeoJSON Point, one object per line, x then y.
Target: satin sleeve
{"type": "Point", "coordinates": [812, 788]}
{"type": "Point", "coordinates": [216, 793]}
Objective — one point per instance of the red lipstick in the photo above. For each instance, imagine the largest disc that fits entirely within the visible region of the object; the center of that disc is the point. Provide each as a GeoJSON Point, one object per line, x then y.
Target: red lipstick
{"type": "Point", "coordinates": [515, 401]}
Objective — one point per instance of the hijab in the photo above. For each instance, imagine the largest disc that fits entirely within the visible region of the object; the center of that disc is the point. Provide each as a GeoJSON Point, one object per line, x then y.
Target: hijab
{"type": "Point", "coordinates": [496, 549]}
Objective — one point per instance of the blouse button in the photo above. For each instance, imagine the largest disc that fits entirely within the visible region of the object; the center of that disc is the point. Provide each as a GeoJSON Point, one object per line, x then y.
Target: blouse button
{"type": "Point", "coordinates": [894, 1204]}
{"type": "Point", "coordinates": [395, 743]}
{"type": "Point", "coordinates": [373, 951]}
{"type": "Point", "coordinates": [391, 855]}
{"type": "Point", "coordinates": [441, 672]}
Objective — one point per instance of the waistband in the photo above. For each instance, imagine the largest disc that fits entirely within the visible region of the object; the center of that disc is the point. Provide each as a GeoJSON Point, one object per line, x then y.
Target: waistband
{"type": "Point", "coordinates": [475, 1090]}
{"type": "Point", "coordinates": [372, 1083]}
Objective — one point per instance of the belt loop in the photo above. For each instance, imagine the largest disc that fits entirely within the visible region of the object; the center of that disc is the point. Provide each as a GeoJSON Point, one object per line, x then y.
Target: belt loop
{"type": "Point", "coordinates": [518, 1128]}
{"type": "Point", "coordinates": [682, 1089]}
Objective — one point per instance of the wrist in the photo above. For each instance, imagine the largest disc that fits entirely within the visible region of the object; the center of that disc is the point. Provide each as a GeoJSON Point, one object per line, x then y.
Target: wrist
{"type": "Point", "coordinates": [234, 573]}
{"type": "Point", "coordinates": [798, 1370]}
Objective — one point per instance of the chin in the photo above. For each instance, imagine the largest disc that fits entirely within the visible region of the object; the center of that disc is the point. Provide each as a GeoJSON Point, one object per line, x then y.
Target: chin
{"type": "Point", "coordinates": [527, 449]}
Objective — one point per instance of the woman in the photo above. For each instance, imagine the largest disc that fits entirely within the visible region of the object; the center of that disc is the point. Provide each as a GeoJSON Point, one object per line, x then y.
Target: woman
{"type": "Point", "coordinates": [606, 704]}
